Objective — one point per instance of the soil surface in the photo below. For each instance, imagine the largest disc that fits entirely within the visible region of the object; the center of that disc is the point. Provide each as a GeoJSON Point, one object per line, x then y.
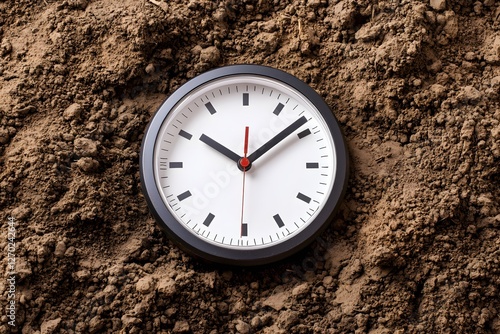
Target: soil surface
{"type": "Point", "coordinates": [415, 85]}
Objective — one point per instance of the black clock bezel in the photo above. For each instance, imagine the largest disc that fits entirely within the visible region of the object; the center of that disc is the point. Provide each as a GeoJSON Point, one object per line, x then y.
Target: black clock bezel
{"type": "Point", "coordinates": [242, 257]}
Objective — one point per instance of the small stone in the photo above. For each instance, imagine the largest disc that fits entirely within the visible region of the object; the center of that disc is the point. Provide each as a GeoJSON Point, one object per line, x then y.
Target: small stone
{"type": "Point", "coordinates": [87, 164]}
{"type": "Point", "coordinates": [238, 308]}
{"type": "Point", "coordinates": [42, 252]}
{"type": "Point", "coordinates": [300, 290]}
{"type": "Point", "coordinates": [438, 4]}
{"type": "Point", "coordinates": [5, 48]}
{"type": "Point", "coordinates": [50, 326]}
{"type": "Point", "coordinates": [25, 296]}
{"type": "Point", "coordinates": [314, 3]}
{"type": "Point", "coordinates": [78, 4]}
{"type": "Point", "coordinates": [277, 300]}
{"type": "Point", "coordinates": [141, 308]}
{"type": "Point", "coordinates": [166, 54]}
{"type": "Point", "coordinates": [85, 147]}
{"type": "Point", "coordinates": [150, 69]}
{"type": "Point", "coordinates": [266, 42]}
{"type": "Point", "coordinates": [95, 325]}
{"type": "Point", "coordinates": [268, 26]}
{"type": "Point", "coordinates": [327, 281]}
{"type": "Point", "coordinates": [484, 199]}
{"type": "Point", "coordinates": [287, 319]}
{"type": "Point", "coordinates": [21, 212]}
{"type": "Point", "coordinates": [60, 249]}
{"type": "Point", "coordinates": [69, 137]}
{"type": "Point", "coordinates": [469, 94]}
{"type": "Point", "coordinates": [109, 293]}
{"type": "Point", "coordinates": [451, 25]}
{"type": "Point", "coordinates": [383, 257]}
{"type": "Point", "coordinates": [210, 55]}
{"type": "Point", "coordinates": [242, 327]}
{"type": "Point", "coordinates": [166, 286]}
{"type": "Point", "coordinates": [4, 135]}
{"type": "Point", "coordinates": [81, 275]}
{"type": "Point", "coordinates": [437, 90]}
{"type": "Point", "coordinates": [495, 133]}
{"type": "Point", "coordinates": [470, 56]}
{"type": "Point", "coordinates": [72, 112]}
{"type": "Point", "coordinates": [430, 16]}
{"type": "Point", "coordinates": [145, 285]}
{"type": "Point", "coordinates": [220, 15]}
{"type": "Point", "coordinates": [368, 32]}
{"type": "Point", "coordinates": [495, 81]}
{"type": "Point", "coordinates": [256, 322]}
{"type": "Point", "coordinates": [25, 110]}
{"type": "Point", "coordinates": [467, 131]}
{"type": "Point", "coordinates": [55, 37]}
{"type": "Point", "coordinates": [436, 66]}
{"type": "Point", "coordinates": [181, 327]}
{"type": "Point", "coordinates": [70, 251]}
{"type": "Point", "coordinates": [478, 7]}
{"type": "Point", "coordinates": [357, 268]}
{"type": "Point", "coordinates": [128, 320]}
{"type": "Point", "coordinates": [81, 327]}
{"type": "Point", "coordinates": [492, 52]}
{"type": "Point", "coordinates": [196, 50]}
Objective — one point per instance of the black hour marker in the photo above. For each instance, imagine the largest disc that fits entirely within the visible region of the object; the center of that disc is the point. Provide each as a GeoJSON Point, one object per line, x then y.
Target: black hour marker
{"type": "Point", "coordinates": [303, 197]}
{"type": "Point", "coordinates": [278, 109]}
{"type": "Point", "coordinates": [312, 165]}
{"type": "Point", "coordinates": [185, 134]}
{"type": "Point", "coordinates": [209, 219]}
{"type": "Point", "coordinates": [175, 165]}
{"type": "Point", "coordinates": [245, 99]}
{"type": "Point", "coordinates": [278, 220]}
{"type": "Point", "coordinates": [244, 230]}
{"type": "Point", "coordinates": [184, 195]}
{"type": "Point", "coordinates": [304, 133]}
{"type": "Point", "coordinates": [210, 108]}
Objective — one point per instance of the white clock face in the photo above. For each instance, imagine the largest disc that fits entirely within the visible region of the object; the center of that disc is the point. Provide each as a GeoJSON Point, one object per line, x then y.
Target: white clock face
{"type": "Point", "coordinates": [244, 162]}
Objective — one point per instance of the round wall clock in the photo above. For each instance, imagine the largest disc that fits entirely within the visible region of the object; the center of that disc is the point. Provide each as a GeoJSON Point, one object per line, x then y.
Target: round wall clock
{"type": "Point", "coordinates": [243, 165]}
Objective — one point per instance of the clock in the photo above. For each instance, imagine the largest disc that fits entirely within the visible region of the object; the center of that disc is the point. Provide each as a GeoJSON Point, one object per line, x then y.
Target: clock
{"type": "Point", "coordinates": [243, 165]}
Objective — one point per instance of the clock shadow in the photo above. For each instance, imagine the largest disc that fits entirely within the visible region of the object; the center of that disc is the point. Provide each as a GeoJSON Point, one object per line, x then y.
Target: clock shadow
{"type": "Point", "coordinates": [303, 265]}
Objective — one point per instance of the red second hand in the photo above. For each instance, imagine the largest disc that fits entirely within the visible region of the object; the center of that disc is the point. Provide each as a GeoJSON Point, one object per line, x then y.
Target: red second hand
{"type": "Point", "coordinates": [244, 163]}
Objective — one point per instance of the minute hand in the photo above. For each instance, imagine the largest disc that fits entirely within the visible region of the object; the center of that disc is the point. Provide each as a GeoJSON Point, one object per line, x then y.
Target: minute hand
{"type": "Point", "coordinates": [276, 139]}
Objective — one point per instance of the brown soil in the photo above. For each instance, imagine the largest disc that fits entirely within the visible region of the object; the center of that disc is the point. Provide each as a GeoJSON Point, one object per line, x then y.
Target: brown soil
{"type": "Point", "coordinates": [415, 85]}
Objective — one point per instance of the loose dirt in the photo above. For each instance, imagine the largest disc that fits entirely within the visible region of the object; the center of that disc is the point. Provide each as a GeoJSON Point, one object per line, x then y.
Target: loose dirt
{"type": "Point", "coordinates": [415, 85]}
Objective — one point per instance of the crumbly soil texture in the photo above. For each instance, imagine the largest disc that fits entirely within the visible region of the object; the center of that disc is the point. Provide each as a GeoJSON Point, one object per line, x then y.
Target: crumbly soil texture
{"type": "Point", "coordinates": [414, 248]}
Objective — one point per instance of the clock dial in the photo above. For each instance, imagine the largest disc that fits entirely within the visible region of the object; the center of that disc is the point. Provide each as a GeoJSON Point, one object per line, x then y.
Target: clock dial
{"type": "Point", "coordinates": [204, 138]}
{"type": "Point", "coordinates": [245, 168]}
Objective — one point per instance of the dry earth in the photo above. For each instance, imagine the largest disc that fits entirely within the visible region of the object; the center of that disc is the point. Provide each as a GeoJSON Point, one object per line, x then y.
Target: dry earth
{"type": "Point", "coordinates": [415, 247]}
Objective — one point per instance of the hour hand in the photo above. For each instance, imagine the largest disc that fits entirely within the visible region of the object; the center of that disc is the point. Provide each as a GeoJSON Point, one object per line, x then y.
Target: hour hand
{"type": "Point", "coordinates": [220, 148]}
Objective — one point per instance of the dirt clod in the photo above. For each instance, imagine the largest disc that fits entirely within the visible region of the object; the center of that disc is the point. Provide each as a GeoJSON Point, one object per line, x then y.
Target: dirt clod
{"type": "Point", "coordinates": [414, 84]}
